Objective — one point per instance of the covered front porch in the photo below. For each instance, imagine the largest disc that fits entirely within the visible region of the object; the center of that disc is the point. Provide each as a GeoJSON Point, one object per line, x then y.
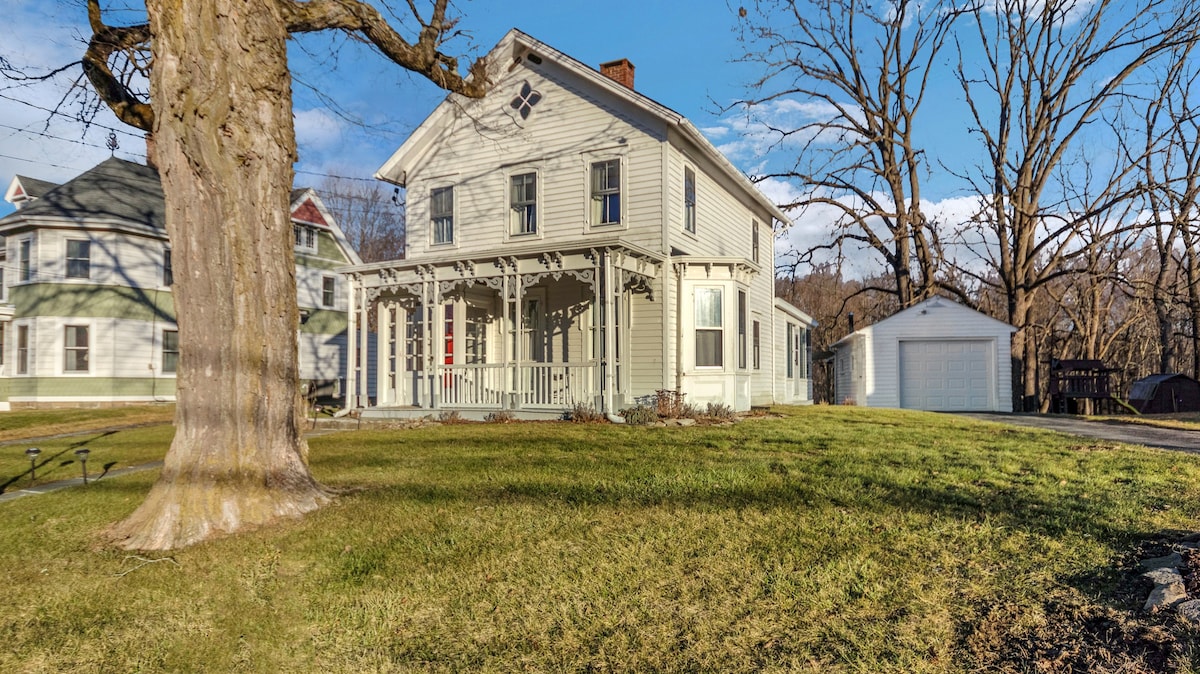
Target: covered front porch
{"type": "Point", "coordinates": [534, 332]}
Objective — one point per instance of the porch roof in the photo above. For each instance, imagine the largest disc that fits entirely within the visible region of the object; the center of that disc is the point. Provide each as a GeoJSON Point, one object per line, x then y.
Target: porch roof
{"type": "Point", "coordinates": [537, 259]}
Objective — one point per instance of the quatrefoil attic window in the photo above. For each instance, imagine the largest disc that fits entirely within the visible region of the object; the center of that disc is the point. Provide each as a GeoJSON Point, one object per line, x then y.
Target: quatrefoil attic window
{"type": "Point", "coordinates": [524, 101]}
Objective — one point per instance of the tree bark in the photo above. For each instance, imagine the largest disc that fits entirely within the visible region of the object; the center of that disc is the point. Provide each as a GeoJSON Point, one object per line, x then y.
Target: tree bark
{"type": "Point", "coordinates": [225, 143]}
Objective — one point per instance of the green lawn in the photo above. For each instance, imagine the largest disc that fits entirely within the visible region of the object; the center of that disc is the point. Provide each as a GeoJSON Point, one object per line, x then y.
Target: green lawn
{"type": "Point", "coordinates": [832, 539]}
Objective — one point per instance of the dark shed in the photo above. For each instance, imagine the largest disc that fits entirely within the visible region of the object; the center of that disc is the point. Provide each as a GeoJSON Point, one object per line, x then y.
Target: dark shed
{"type": "Point", "coordinates": [1165, 393]}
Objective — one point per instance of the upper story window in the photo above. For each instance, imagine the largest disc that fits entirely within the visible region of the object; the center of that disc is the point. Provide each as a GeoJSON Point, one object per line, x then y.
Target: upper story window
{"type": "Point", "coordinates": [522, 201]}
{"type": "Point", "coordinates": [689, 200]}
{"type": "Point", "coordinates": [25, 260]}
{"type": "Point", "coordinates": [306, 237]}
{"type": "Point", "coordinates": [79, 258]}
{"type": "Point", "coordinates": [606, 192]}
{"type": "Point", "coordinates": [3, 270]}
{"type": "Point", "coordinates": [75, 349]}
{"type": "Point", "coordinates": [328, 287]}
{"type": "Point", "coordinates": [168, 272]}
{"type": "Point", "coordinates": [441, 214]}
{"type": "Point", "coordinates": [710, 324]}
{"type": "Point", "coordinates": [754, 241]}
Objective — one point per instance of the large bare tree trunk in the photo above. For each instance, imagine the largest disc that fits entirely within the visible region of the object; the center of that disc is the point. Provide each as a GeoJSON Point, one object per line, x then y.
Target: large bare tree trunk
{"type": "Point", "coordinates": [225, 143]}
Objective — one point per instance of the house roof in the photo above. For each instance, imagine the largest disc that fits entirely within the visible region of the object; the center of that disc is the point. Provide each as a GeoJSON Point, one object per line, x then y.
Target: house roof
{"type": "Point", "coordinates": [113, 190]}
{"type": "Point", "coordinates": [922, 307]}
{"type": "Point", "coordinates": [119, 192]}
{"type": "Point", "coordinates": [24, 187]}
{"type": "Point", "coordinates": [520, 44]}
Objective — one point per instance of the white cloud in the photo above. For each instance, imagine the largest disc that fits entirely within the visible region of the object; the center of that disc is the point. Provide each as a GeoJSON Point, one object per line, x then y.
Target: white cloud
{"type": "Point", "coordinates": [784, 123]}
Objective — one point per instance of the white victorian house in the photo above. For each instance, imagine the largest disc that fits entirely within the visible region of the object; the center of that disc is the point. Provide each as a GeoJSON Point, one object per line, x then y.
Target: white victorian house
{"type": "Point", "coordinates": [572, 241]}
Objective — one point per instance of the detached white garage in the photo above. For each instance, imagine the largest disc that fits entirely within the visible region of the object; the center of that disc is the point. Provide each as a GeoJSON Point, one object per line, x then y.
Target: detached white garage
{"type": "Point", "coordinates": [937, 355]}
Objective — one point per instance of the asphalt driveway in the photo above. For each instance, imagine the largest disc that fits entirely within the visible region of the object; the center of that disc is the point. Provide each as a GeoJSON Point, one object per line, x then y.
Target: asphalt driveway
{"type": "Point", "coordinates": [1115, 431]}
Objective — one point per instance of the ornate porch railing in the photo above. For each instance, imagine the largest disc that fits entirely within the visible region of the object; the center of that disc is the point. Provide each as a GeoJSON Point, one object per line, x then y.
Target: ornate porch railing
{"type": "Point", "coordinates": [524, 385]}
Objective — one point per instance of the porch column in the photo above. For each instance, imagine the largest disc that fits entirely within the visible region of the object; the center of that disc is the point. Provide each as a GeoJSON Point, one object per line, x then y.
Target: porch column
{"type": "Point", "coordinates": [364, 354]}
{"type": "Point", "coordinates": [383, 354]}
{"type": "Point", "coordinates": [519, 335]}
{"type": "Point", "coordinates": [351, 340]}
{"type": "Point", "coordinates": [610, 341]}
{"type": "Point", "coordinates": [506, 329]}
{"type": "Point", "coordinates": [427, 337]}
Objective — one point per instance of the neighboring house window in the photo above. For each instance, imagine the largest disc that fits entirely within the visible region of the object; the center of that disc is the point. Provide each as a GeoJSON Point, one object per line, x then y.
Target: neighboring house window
{"type": "Point", "coordinates": [757, 351]}
{"type": "Point", "coordinates": [24, 260]}
{"type": "Point", "coordinates": [306, 237]}
{"type": "Point", "coordinates": [22, 349]}
{"type": "Point", "coordinates": [689, 200]}
{"type": "Point", "coordinates": [168, 272]}
{"type": "Point", "coordinates": [75, 349]}
{"type": "Point", "coordinates": [606, 192]}
{"type": "Point", "coordinates": [754, 241]}
{"type": "Point", "coordinates": [79, 258]}
{"type": "Point", "coordinates": [441, 214]}
{"type": "Point", "coordinates": [170, 351]}
{"type": "Point", "coordinates": [523, 204]}
{"type": "Point", "coordinates": [709, 328]}
{"type": "Point", "coordinates": [328, 285]}
{"type": "Point", "coordinates": [741, 308]}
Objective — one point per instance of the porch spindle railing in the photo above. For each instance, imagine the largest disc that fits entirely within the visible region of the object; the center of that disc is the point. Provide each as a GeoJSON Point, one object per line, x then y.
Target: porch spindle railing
{"type": "Point", "coordinates": [536, 385]}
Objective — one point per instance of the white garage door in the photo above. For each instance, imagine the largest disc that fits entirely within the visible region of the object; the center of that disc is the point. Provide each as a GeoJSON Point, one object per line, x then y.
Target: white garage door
{"type": "Point", "coordinates": [945, 376]}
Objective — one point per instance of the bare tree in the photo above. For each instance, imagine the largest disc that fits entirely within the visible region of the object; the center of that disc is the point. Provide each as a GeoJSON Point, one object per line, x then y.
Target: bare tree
{"type": "Point", "coordinates": [1037, 74]}
{"type": "Point", "coordinates": [371, 216]}
{"type": "Point", "coordinates": [220, 111]}
{"type": "Point", "coordinates": [865, 68]}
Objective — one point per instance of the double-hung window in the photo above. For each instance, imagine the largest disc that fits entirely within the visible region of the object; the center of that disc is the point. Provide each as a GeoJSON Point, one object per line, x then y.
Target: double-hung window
{"type": "Point", "coordinates": [689, 200]}
{"type": "Point", "coordinates": [22, 349]}
{"type": "Point", "coordinates": [306, 237]}
{"type": "Point", "coordinates": [606, 192]}
{"type": "Point", "coordinates": [522, 202]}
{"type": "Point", "coordinates": [3, 269]}
{"type": "Point", "coordinates": [441, 214]}
{"type": "Point", "coordinates": [741, 309]}
{"type": "Point", "coordinates": [79, 258]}
{"type": "Point", "coordinates": [25, 260]}
{"type": "Point", "coordinates": [75, 349]}
{"type": "Point", "coordinates": [170, 351]}
{"type": "Point", "coordinates": [757, 350]}
{"type": "Point", "coordinates": [709, 327]}
{"type": "Point", "coordinates": [168, 272]}
{"type": "Point", "coordinates": [754, 241]}
{"type": "Point", "coordinates": [328, 286]}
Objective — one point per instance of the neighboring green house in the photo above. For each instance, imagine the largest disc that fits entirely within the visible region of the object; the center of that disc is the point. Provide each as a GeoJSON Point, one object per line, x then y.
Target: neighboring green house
{"type": "Point", "coordinates": [86, 310]}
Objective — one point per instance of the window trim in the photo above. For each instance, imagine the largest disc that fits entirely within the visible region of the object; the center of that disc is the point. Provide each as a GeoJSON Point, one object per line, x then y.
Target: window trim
{"type": "Point", "coordinates": [328, 288]}
{"type": "Point", "coordinates": [434, 216]}
{"type": "Point", "coordinates": [743, 319]}
{"type": "Point", "coordinates": [697, 328]}
{"type": "Point", "coordinates": [512, 205]}
{"type": "Point", "coordinates": [25, 266]}
{"type": "Point", "coordinates": [689, 200]}
{"type": "Point", "coordinates": [309, 235]}
{"type": "Point", "coordinates": [163, 351]}
{"type": "Point", "coordinates": [21, 367]}
{"type": "Point", "coordinates": [86, 349]}
{"type": "Point", "coordinates": [68, 260]}
{"type": "Point", "coordinates": [594, 195]}
{"type": "Point", "coordinates": [756, 348]}
{"type": "Point", "coordinates": [755, 244]}
{"type": "Point", "coordinates": [168, 268]}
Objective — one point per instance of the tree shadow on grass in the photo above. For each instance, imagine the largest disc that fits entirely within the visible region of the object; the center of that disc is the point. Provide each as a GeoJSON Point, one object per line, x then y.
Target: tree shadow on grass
{"type": "Point", "coordinates": [50, 458]}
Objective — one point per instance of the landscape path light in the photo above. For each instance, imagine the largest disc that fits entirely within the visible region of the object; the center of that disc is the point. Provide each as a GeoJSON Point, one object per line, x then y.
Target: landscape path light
{"type": "Point", "coordinates": [32, 453]}
{"type": "Point", "coordinates": [82, 455]}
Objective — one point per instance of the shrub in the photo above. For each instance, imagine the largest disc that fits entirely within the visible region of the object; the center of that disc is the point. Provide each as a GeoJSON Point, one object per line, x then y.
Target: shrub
{"type": "Point", "coordinates": [669, 404]}
{"type": "Point", "coordinates": [500, 417]}
{"type": "Point", "coordinates": [640, 415]}
{"type": "Point", "coordinates": [584, 413]}
{"type": "Point", "coordinates": [451, 417]}
{"type": "Point", "coordinates": [720, 411]}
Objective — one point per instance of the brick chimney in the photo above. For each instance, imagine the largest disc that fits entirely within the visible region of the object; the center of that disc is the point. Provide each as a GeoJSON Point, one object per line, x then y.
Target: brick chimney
{"type": "Point", "coordinates": [618, 71]}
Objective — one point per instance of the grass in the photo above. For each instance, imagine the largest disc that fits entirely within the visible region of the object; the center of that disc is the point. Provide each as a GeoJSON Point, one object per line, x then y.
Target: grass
{"type": "Point", "coordinates": [24, 424]}
{"type": "Point", "coordinates": [831, 539]}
